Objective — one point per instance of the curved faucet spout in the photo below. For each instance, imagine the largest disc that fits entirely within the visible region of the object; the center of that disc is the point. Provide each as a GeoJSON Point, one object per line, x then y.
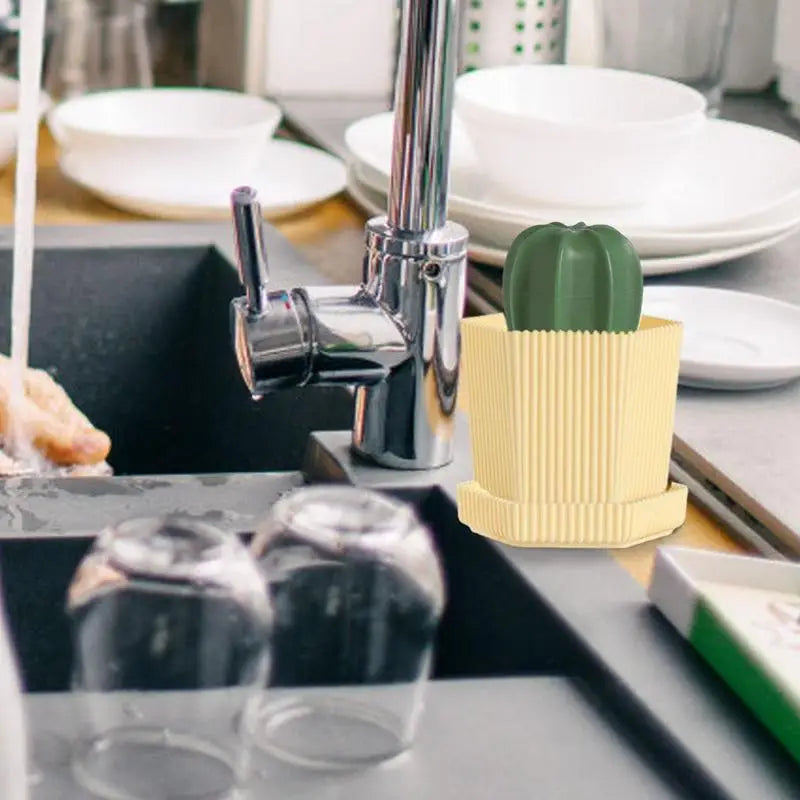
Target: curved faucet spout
{"type": "Point", "coordinates": [316, 334]}
{"type": "Point", "coordinates": [354, 339]}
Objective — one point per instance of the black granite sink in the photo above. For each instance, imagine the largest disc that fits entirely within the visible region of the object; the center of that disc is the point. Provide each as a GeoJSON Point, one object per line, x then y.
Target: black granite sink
{"type": "Point", "coordinates": [485, 631]}
{"type": "Point", "coordinates": [140, 339]}
{"type": "Point", "coordinates": [494, 626]}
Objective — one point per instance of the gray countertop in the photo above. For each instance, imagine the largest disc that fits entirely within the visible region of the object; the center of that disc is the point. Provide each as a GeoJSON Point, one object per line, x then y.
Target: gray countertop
{"type": "Point", "coordinates": [507, 739]}
{"type": "Point", "coordinates": [749, 442]}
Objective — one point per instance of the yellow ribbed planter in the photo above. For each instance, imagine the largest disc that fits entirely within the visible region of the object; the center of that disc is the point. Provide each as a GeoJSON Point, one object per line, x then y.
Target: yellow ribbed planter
{"type": "Point", "coordinates": [571, 434]}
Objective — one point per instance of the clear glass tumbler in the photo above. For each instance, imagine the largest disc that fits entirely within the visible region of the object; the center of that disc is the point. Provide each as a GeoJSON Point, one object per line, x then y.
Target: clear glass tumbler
{"type": "Point", "coordinates": [99, 44]}
{"type": "Point", "coordinates": [170, 627]}
{"type": "Point", "coordinates": [357, 592]}
{"type": "Point", "coordinates": [686, 40]}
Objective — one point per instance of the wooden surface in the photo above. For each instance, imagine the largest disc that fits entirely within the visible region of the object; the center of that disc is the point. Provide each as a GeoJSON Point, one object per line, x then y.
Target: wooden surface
{"type": "Point", "coordinates": [330, 236]}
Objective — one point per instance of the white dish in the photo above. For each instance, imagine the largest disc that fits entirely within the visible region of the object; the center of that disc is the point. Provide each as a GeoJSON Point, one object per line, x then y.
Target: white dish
{"type": "Point", "coordinates": [498, 233]}
{"type": "Point", "coordinates": [652, 267]}
{"type": "Point", "coordinates": [732, 340]}
{"type": "Point", "coordinates": [370, 200]}
{"type": "Point", "coordinates": [9, 98]}
{"type": "Point", "coordinates": [374, 202]}
{"type": "Point", "coordinates": [716, 198]}
{"type": "Point", "coordinates": [202, 134]}
{"type": "Point", "coordinates": [578, 136]}
{"type": "Point", "coordinates": [290, 178]}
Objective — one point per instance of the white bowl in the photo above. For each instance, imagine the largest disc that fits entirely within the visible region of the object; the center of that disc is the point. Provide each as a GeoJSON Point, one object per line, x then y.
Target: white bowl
{"type": "Point", "coordinates": [194, 134]}
{"type": "Point", "coordinates": [9, 99]}
{"type": "Point", "coordinates": [577, 136]}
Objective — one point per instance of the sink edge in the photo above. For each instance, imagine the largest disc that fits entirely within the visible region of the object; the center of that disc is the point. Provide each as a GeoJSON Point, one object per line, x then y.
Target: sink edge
{"type": "Point", "coordinates": [643, 666]}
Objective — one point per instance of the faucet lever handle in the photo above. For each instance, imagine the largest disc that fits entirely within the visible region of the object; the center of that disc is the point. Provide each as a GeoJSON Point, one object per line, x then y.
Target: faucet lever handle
{"type": "Point", "coordinates": [251, 254]}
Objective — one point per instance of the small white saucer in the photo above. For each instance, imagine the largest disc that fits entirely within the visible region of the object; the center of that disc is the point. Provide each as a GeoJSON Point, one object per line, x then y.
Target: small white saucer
{"type": "Point", "coordinates": [714, 197]}
{"type": "Point", "coordinates": [291, 177]}
{"type": "Point", "coordinates": [731, 340]}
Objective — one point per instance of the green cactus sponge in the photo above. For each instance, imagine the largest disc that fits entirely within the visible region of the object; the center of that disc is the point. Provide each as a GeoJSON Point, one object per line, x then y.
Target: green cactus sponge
{"type": "Point", "coordinates": [580, 278]}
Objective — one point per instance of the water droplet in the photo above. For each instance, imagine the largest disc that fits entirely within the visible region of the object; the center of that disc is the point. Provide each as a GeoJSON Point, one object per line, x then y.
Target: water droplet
{"type": "Point", "coordinates": [34, 777]}
{"type": "Point", "coordinates": [131, 711]}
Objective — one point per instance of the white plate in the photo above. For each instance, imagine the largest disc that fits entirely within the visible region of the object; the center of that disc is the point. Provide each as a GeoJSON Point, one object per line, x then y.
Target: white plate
{"type": "Point", "coordinates": [731, 340]}
{"type": "Point", "coordinates": [498, 233]}
{"type": "Point", "coordinates": [291, 177]}
{"type": "Point", "coordinates": [716, 199]}
{"type": "Point", "coordinates": [651, 267]}
{"type": "Point", "coordinates": [370, 200]}
{"type": "Point", "coordinates": [374, 202]}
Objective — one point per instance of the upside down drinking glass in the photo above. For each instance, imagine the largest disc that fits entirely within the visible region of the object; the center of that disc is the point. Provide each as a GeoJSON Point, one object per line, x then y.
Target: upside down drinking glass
{"type": "Point", "coordinates": [357, 591]}
{"type": "Point", "coordinates": [686, 40]}
{"type": "Point", "coordinates": [170, 623]}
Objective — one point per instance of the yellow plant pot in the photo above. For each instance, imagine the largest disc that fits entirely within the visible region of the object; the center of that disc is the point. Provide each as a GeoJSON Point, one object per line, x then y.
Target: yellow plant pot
{"type": "Point", "coordinates": [571, 434]}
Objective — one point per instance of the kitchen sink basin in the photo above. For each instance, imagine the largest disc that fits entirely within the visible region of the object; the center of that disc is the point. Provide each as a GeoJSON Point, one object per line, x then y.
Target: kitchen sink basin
{"type": "Point", "coordinates": [486, 629]}
{"type": "Point", "coordinates": [495, 626]}
{"type": "Point", "coordinates": [140, 339]}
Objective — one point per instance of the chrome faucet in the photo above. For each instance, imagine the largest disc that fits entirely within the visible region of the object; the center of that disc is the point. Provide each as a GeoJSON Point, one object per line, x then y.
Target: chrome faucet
{"type": "Point", "coordinates": [396, 336]}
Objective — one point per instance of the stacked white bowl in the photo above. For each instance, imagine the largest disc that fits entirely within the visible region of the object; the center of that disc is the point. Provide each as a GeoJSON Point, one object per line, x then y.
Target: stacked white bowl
{"type": "Point", "coordinates": [9, 98]}
{"type": "Point", "coordinates": [577, 135]}
{"type": "Point", "coordinates": [197, 136]}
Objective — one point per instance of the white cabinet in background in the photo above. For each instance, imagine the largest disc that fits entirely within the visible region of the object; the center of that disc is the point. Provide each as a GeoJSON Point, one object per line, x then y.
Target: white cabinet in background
{"type": "Point", "coordinates": [300, 48]}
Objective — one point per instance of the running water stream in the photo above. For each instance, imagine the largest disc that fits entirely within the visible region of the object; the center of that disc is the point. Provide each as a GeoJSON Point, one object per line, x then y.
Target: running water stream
{"type": "Point", "coordinates": [32, 29]}
{"type": "Point", "coordinates": [14, 775]}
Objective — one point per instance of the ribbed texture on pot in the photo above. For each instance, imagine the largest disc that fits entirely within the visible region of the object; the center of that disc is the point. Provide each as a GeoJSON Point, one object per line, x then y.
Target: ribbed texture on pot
{"type": "Point", "coordinates": [567, 417]}
{"type": "Point", "coordinates": [571, 524]}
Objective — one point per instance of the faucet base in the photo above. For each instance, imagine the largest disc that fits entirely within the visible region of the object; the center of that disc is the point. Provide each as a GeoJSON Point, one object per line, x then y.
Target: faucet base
{"type": "Point", "coordinates": [330, 458]}
{"type": "Point", "coordinates": [388, 459]}
{"type": "Point", "coordinates": [402, 465]}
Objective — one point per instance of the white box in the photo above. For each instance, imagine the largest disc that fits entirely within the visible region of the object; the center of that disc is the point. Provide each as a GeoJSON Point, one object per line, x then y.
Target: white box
{"type": "Point", "coordinates": [742, 615]}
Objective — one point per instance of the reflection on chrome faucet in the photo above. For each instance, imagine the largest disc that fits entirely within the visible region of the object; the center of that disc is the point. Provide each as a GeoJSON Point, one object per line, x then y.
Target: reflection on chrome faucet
{"type": "Point", "coordinates": [395, 337]}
